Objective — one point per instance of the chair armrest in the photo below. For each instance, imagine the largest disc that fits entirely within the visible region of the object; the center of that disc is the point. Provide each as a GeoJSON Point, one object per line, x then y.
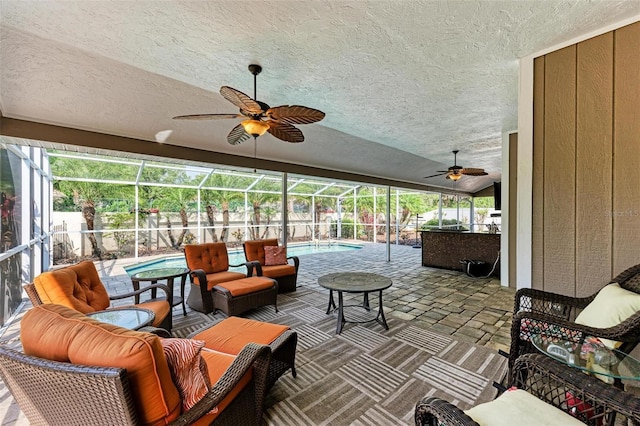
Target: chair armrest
{"type": "Point", "coordinates": [251, 356]}
{"type": "Point", "coordinates": [554, 383]}
{"type": "Point", "coordinates": [258, 267]}
{"type": "Point", "coordinates": [207, 301]}
{"type": "Point", "coordinates": [528, 299]}
{"type": "Point", "coordinates": [296, 262]}
{"type": "Point", "coordinates": [162, 287]}
{"type": "Point", "coordinates": [433, 411]}
{"type": "Point", "coordinates": [248, 265]}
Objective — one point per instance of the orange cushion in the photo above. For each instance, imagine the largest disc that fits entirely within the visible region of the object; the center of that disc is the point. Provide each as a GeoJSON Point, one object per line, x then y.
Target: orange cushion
{"type": "Point", "coordinates": [274, 255]}
{"type": "Point", "coordinates": [61, 334]}
{"type": "Point", "coordinates": [77, 287]}
{"type": "Point", "coordinates": [276, 271]}
{"type": "Point", "coordinates": [188, 370]}
{"type": "Point", "coordinates": [232, 334]}
{"type": "Point", "coordinates": [160, 308]}
{"type": "Point", "coordinates": [247, 285]}
{"type": "Point", "coordinates": [220, 277]}
{"type": "Point", "coordinates": [210, 257]}
{"type": "Point", "coordinates": [254, 249]}
{"type": "Point", "coordinates": [217, 364]}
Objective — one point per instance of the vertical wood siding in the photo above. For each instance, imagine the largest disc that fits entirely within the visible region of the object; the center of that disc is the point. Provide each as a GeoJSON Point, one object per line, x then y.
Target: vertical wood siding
{"type": "Point", "coordinates": [586, 163]}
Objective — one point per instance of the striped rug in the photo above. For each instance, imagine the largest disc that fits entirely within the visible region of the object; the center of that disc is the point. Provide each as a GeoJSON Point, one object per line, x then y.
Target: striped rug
{"type": "Point", "coordinates": [366, 375]}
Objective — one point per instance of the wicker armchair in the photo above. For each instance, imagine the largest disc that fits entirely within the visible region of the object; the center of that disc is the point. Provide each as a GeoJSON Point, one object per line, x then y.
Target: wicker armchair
{"type": "Point", "coordinates": [286, 274]}
{"type": "Point", "coordinates": [553, 314]}
{"type": "Point", "coordinates": [555, 384]}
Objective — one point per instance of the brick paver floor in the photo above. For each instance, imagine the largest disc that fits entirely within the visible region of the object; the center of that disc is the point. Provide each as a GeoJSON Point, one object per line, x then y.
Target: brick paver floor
{"type": "Point", "coordinates": [475, 310]}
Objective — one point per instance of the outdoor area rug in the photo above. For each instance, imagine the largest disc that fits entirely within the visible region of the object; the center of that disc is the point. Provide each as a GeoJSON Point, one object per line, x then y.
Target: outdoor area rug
{"type": "Point", "coordinates": [366, 375]}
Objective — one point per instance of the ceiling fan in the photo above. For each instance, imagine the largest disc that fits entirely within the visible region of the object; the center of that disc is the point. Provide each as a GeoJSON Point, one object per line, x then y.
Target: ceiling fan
{"type": "Point", "coordinates": [455, 172]}
{"type": "Point", "coordinates": [260, 117]}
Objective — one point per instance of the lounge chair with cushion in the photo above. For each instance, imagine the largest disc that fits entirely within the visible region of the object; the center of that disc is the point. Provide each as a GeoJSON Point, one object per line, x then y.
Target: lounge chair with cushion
{"type": "Point", "coordinates": [230, 291]}
{"type": "Point", "coordinates": [79, 287]}
{"type": "Point", "coordinates": [271, 260]}
{"type": "Point", "coordinates": [612, 315]}
{"type": "Point", "coordinates": [78, 371]}
{"type": "Point", "coordinates": [548, 393]}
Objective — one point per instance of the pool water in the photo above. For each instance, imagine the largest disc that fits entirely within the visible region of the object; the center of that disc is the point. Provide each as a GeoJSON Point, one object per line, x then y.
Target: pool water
{"type": "Point", "coordinates": [237, 256]}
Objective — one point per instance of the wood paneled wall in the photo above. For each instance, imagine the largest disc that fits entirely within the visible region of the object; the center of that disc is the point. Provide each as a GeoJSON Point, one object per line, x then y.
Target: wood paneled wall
{"type": "Point", "coordinates": [586, 163]}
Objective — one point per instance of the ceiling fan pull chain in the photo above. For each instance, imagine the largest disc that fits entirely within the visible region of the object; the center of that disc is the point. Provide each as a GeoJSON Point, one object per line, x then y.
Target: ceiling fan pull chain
{"type": "Point", "coordinates": [255, 154]}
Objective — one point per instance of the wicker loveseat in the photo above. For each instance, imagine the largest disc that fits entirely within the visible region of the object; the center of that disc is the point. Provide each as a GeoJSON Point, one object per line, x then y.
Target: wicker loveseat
{"type": "Point", "coordinates": [285, 273]}
{"type": "Point", "coordinates": [540, 312]}
{"type": "Point", "coordinates": [550, 393]}
{"type": "Point", "coordinates": [79, 287]}
{"type": "Point", "coordinates": [78, 371]}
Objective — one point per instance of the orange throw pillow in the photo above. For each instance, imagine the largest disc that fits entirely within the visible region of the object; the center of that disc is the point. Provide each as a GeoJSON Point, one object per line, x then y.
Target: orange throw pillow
{"type": "Point", "coordinates": [188, 370]}
{"type": "Point", "coordinates": [275, 255]}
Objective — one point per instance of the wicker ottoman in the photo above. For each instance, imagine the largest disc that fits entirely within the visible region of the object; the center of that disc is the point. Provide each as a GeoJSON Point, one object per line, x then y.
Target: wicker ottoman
{"type": "Point", "coordinates": [238, 296]}
{"type": "Point", "coordinates": [231, 334]}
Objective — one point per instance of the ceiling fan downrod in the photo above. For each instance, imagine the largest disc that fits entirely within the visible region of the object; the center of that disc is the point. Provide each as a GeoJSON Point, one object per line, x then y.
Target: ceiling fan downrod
{"type": "Point", "coordinates": [255, 69]}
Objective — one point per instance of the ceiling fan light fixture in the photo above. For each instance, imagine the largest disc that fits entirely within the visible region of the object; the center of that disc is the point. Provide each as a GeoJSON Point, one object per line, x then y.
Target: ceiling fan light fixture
{"type": "Point", "coordinates": [455, 176]}
{"type": "Point", "coordinates": [255, 127]}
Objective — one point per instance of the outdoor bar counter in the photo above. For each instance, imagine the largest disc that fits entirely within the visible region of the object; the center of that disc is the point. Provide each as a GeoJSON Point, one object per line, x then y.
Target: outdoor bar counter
{"type": "Point", "coordinates": [445, 249]}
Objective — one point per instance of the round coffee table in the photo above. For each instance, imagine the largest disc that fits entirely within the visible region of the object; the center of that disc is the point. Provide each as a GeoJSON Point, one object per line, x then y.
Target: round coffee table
{"type": "Point", "coordinates": [155, 275]}
{"type": "Point", "coordinates": [355, 282]}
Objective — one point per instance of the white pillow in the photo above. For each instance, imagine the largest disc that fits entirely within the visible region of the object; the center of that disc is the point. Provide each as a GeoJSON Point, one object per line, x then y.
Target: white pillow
{"type": "Point", "coordinates": [518, 407]}
{"type": "Point", "coordinates": [612, 305]}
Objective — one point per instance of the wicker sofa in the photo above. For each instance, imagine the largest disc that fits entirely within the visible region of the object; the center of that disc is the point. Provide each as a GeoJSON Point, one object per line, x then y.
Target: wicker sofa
{"type": "Point", "coordinates": [540, 312]}
{"type": "Point", "coordinates": [564, 394]}
{"type": "Point", "coordinates": [77, 371]}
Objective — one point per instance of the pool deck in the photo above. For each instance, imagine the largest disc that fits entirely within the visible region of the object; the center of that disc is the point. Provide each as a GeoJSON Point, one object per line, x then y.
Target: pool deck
{"type": "Point", "coordinates": [475, 310]}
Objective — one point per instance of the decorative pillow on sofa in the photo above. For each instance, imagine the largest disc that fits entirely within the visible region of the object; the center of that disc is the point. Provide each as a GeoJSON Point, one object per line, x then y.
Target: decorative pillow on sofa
{"type": "Point", "coordinates": [612, 305]}
{"type": "Point", "coordinates": [188, 370]}
{"type": "Point", "coordinates": [275, 255]}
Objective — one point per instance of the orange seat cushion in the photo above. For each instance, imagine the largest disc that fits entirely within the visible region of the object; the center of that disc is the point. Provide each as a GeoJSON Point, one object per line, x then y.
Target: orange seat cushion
{"type": "Point", "coordinates": [77, 287]}
{"type": "Point", "coordinates": [276, 271]}
{"type": "Point", "coordinates": [220, 277]}
{"type": "Point", "coordinates": [254, 249]}
{"type": "Point", "coordinates": [247, 285]}
{"type": "Point", "coordinates": [210, 257]}
{"type": "Point", "coordinates": [62, 334]}
{"type": "Point", "coordinates": [160, 308]}
{"type": "Point", "coordinates": [232, 334]}
{"type": "Point", "coordinates": [217, 364]}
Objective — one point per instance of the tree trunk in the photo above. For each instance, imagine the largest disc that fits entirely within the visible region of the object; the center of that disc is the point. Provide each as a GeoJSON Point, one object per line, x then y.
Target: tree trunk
{"type": "Point", "coordinates": [255, 230]}
{"type": "Point", "coordinates": [224, 235]}
{"type": "Point", "coordinates": [89, 214]}
{"type": "Point", "coordinates": [211, 211]}
{"type": "Point", "coordinates": [316, 231]}
{"type": "Point", "coordinates": [170, 233]}
{"type": "Point", "coordinates": [185, 223]}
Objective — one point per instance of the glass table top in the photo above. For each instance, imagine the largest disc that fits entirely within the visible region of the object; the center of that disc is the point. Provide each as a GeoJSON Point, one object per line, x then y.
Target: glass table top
{"type": "Point", "coordinates": [131, 318]}
{"type": "Point", "coordinates": [160, 273]}
{"type": "Point", "coordinates": [590, 355]}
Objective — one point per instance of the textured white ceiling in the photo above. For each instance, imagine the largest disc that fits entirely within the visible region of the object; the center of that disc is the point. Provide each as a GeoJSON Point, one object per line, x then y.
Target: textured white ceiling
{"type": "Point", "coordinates": [402, 82]}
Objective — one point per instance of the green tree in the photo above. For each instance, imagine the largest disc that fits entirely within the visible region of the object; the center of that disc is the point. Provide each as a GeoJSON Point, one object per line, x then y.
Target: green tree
{"type": "Point", "coordinates": [176, 199]}
{"type": "Point", "coordinates": [89, 194]}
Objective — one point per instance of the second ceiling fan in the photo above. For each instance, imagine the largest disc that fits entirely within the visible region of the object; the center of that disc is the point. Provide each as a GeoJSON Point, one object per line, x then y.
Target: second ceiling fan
{"type": "Point", "coordinates": [455, 172]}
{"type": "Point", "coordinates": [260, 117]}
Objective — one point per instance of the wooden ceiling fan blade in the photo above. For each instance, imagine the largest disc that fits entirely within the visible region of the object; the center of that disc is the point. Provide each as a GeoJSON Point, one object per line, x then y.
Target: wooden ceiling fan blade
{"type": "Point", "coordinates": [241, 100]}
{"type": "Point", "coordinates": [295, 114]}
{"type": "Point", "coordinates": [285, 132]}
{"type": "Point", "coordinates": [206, 116]}
{"type": "Point", "coordinates": [237, 135]}
{"type": "Point", "coordinates": [473, 172]}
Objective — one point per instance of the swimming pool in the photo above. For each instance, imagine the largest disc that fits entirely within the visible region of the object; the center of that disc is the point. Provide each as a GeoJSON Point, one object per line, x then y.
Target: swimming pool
{"type": "Point", "coordinates": [237, 256]}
